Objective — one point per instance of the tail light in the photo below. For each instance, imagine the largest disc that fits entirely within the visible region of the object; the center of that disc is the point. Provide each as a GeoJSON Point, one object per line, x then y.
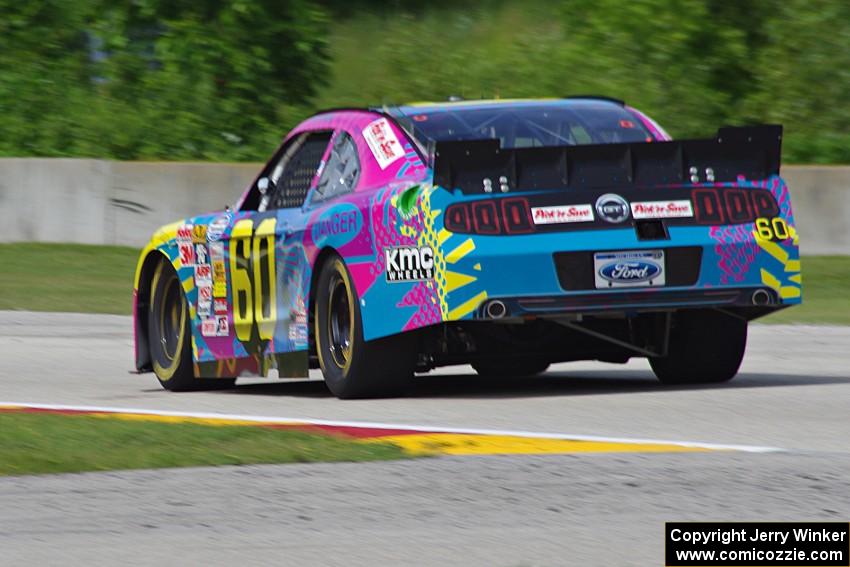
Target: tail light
{"type": "Point", "coordinates": [732, 206]}
{"type": "Point", "coordinates": [491, 216]}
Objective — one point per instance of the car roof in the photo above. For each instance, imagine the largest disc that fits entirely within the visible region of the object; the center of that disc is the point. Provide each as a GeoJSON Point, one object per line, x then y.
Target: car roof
{"type": "Point", "coordinates": [429, 107]}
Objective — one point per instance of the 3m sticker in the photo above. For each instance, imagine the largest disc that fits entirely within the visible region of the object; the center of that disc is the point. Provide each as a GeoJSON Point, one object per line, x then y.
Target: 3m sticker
{"type": "Point", "coordinates": [382, 141]}
{"type": "Point", "coordinates": [187, 254]}
{"type": "Point", "coordinates": [562, 214]}
{"type": "Point", "coordinates": [662, 209]}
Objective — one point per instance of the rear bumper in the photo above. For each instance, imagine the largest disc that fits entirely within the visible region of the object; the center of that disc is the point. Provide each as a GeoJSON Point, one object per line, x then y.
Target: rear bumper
{"type": "Point", "coordinates": [757, 300]}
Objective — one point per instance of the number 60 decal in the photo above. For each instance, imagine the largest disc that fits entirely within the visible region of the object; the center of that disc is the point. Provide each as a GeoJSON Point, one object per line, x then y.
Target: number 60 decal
{"type": "Point", "coordinates": [254, 298]}
{"type": "Point", "coordinates": [772, 229]}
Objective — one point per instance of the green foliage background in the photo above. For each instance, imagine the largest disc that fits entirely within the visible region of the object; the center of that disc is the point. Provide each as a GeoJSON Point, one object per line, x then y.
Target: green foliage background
{"type": "Point", "coordinates": [224, 79]}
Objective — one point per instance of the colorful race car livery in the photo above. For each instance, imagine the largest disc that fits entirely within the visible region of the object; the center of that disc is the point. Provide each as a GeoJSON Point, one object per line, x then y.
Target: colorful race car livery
{"type": "Point", "coordinates": [504, 234]}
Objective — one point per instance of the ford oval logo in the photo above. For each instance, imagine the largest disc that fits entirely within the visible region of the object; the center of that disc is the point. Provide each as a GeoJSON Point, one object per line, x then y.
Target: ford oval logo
{"type": "Point", "coordinates": [628, 271]}
{"type": "Point", "coordinates": [612, 208]}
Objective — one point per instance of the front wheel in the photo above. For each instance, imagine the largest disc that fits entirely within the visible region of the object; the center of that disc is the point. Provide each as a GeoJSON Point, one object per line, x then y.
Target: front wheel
{"type": "Point", "coordinates": [352, 367]}
{"type": "Point", "coordinates": [169, 335]}
{"type": "Point", "coordinates": [705, 347]}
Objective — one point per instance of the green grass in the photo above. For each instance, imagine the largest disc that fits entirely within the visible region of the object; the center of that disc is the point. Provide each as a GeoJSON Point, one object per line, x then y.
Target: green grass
{"type": "Point", "coordinates": [826, 293]}
{"type": "Point", "coordinates": [67, 277]}
{"type": "Point", "coordinates": [47, 443]}
{"type": "Point", "coordinates": [99, 279]}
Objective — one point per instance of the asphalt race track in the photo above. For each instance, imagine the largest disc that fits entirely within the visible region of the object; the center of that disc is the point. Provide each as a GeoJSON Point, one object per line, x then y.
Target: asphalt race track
{"type": "Point", "coordinates": [793, 394]}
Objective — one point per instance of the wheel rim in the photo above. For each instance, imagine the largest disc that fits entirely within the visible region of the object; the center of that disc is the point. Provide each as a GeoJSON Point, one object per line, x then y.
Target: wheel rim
{"type": "Point", "coordinates": [339, 322]}
{"type": "Point", "coordinates": [171, 319]}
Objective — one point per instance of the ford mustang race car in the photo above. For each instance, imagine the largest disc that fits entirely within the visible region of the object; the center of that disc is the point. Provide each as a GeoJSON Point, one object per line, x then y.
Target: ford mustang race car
{"type": "Point", "coordinates": [508, 235]}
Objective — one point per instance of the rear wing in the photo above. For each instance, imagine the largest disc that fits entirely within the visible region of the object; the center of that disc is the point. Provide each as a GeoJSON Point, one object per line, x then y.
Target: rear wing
{"type": "Point", "coordinates": [751, 151]}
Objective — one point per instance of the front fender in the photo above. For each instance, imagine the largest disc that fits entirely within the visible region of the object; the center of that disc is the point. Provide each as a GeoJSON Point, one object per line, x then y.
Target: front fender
{"type": "Point", "coordinates": [161, 246]}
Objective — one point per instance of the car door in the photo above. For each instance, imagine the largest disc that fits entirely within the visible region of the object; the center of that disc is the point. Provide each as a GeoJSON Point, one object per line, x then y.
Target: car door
{"type": "Point", "coordinates": [268, 265]}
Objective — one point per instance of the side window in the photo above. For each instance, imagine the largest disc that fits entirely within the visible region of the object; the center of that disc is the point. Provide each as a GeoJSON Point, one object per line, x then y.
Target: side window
{"type": "Point", "coordinates": [342, 171]}
{"type": "Point", "coordinates": [291, 177]}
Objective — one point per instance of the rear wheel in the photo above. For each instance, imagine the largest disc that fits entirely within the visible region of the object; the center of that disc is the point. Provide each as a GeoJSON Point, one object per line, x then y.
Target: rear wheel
{"type": "Point", "coordinates": [352, 367]}
{"type": "Point", "coordinates": [503, 368]}
{"type": "Point", "coordinates": [169, 335]}
{"type": "Point", "coordinates": [705, 347]}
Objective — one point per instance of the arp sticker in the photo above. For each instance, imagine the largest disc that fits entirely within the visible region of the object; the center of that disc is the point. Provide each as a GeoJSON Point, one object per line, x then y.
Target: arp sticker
{"type": "Point", "coordinates": [382, 141]}
{"type": "Point", "coordinates": [203, 274]}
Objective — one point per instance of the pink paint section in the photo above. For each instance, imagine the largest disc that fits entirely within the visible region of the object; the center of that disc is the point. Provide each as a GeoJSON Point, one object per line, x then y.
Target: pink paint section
{"type": "Point", "coordinates": [354, 122]}
{"type": "Point", "coordinates": [657, 131]}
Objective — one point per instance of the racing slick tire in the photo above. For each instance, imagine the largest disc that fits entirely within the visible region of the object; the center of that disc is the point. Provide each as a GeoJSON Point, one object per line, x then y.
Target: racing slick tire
{"type": "Point", "coordinates": [705, 347]}
{"type": "Point", "coordinates": [504, 368]}
{"type": "Point", "coordinates": [352, 367]}
{"type": "Point", "coordinates": [169, 335]}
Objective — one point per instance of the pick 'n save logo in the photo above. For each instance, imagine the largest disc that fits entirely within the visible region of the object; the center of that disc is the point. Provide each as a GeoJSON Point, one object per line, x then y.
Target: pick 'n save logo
{"type": "Point", "coordinates": [409, 263]}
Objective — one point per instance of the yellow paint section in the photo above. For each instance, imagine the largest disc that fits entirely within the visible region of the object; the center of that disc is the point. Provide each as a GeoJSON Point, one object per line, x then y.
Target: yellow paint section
{"type": "Point", "coordinates": [445, 104]}
{"type": "Point", "coordinates": [455, 280]}
{"type": "Point", "coordinates": [242, 229]}
{"type": "Point", "coordinates": [477, 267]}
{"type": "Point", "coordinates": [430, 443]}
{"type": "Point", "coordinates": [188, 284]}
{"type": "Point", "coordinates": [179, 419]}
{"type": "Point", "coordinates": [785, 291]}
{"type": "Point", "coordinates": [772, 248]}
{"type": "Point", "coordinates": [443, 235]}
{"type": "Point", "coordinates": [467, 306]}
{"type": "Point", "coordinates": [455, 255]}
{"type": "Point", "coordinates": [470, 444]}
{"type": "Point", "coordinates": [796, 278]}
{"type": "Point", "coordinates": [161, 236]}
{"type": "Point", "coordinates": [792, 266]}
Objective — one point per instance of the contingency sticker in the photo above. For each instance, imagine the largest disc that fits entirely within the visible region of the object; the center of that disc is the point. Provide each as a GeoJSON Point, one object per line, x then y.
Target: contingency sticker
{"type": "Point", "coordinates": [662, 209]}
{"type": "Point", "coordinates": [383, 142]}
{"type": "Point", "coordinates": [184, 245]}
{"type": "Point", "coordinates": [219, 273]}
{"type": "Point", "coordinates": [562, 214]}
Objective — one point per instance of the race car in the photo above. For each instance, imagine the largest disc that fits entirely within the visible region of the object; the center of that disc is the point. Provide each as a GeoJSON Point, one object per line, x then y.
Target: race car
{"type": "Point", "coordinates": [509, 235]}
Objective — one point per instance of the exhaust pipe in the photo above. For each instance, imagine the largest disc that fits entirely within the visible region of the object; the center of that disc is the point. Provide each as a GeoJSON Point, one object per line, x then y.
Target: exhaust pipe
{"type": "Point", "coordinates": [761, 297]}
{"type": "Point", "coordinates": [496, 309]}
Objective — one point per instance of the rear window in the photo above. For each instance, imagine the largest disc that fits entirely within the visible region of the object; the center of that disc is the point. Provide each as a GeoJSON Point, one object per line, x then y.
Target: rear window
{"type": "Point", "coordinates": [528, 126]}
